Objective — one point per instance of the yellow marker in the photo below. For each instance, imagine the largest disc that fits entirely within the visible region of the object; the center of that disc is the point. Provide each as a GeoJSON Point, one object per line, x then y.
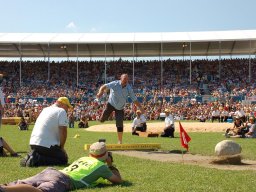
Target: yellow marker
{"type": "Point", "coordinates": [76, 136]}
{"type": "Point", "coordinates": [134, 146]}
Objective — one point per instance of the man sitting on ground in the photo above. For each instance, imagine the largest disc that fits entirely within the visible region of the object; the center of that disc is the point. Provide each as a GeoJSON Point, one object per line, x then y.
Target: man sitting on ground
{"type": "Point", "coordinates": [83, 122]}
{"type": "Point", "coordinates": [139, 123]}
{"type": "Point", "coordinates": [169, 125]}
{"type": "Point", "coordinates": [252, 128]}
{"type": "Point", "coordinates": [23, 125]}
{"type": "Point", "coordinates": [239, 128]}
{"type": "Point", "coordinates": [83, 173]}
{"type": "Point", "coordinates": [251, 133]}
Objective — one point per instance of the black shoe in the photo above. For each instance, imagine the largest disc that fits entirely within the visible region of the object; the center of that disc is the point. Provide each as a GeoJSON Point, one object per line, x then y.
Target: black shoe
{"type": "Point", "coordinates": [24, 160]}
{"type": "Point", "coordinates": [30, 162]}
{"type": "Point", "coordinates": [33, 161]}
{"type": "Point", "coordinates": [15, 155]}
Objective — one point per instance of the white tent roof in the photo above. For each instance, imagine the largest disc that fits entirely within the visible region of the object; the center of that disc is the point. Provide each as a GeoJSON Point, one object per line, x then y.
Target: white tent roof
{"type": "Point", "coordinates": [239, 42]}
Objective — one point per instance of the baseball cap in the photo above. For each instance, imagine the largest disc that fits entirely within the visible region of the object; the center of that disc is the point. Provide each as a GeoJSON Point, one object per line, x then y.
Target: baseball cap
{"type": "Point", "coordinates": [65, 101]}
{"type": "Point", "coordinates": [99, 151]}
{"type": "Point", "coordinates": [138, 111]}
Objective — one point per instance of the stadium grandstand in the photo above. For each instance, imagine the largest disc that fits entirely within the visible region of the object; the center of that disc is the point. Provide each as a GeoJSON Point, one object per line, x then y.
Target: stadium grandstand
{"type": "Point", "coordinates": [191, 73]}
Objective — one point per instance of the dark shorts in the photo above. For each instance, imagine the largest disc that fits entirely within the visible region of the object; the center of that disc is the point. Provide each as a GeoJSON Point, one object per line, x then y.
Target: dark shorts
{"type": "Point", "coordinates": [50, 156]}
{"type": "Point", "coordinates": [1, 142]}
{"type": "Point", "coordinates": [119, 115]}
{"type": "Point", "coordinates": [1, 147]}
{"type": "Point", "coordinates": [49, 180]}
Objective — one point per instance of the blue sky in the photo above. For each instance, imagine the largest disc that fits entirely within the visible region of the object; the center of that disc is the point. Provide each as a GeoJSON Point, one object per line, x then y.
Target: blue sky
{"type": "Point", "coordinates": [120, 16]}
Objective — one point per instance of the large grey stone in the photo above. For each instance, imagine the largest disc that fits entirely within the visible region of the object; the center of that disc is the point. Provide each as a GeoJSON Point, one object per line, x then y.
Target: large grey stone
{"type": "Point", "coordinates": [227, 148]}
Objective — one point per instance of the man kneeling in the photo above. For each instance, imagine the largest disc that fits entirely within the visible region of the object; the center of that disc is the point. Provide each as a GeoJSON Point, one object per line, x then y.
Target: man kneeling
{"type": "Point", "coordinates": [139, 123]}
{"type": "Point", "coordinates": [169, 125]}
{"type": "Point", "coordinates": [84, 172]}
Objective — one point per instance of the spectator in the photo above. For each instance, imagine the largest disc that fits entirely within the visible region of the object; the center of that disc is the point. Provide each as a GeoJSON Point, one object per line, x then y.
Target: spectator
{"type": "Point", "coordinates": [71, 120]}
{"type": "Point", "coordinates": [83, 122]}
{"type": "Point", "coordinates": [2, 103]}
{"type": "Point", "coordinates": [238, 128]}
{"type": "Point", "coordinates": [23, 125]}
{"type": "Point", "coordinates": [215, 114]}
{"type": "Point", "coordinates": [139, 123]}
{"type": "Point", "coordinates": [202, 118]}
{"type": "Point", "coordinates": [252, 128]}
{"type": "Point", "coordinates": [240, 112]}
{"type": "Point", "coordinates": [224, 115]}
{"type": "Point", "coordinates": [169, 125]}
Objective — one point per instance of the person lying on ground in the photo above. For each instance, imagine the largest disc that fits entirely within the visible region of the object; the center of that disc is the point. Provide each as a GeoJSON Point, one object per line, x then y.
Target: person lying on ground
{"type": "Point", "coordinates": [85, 172]}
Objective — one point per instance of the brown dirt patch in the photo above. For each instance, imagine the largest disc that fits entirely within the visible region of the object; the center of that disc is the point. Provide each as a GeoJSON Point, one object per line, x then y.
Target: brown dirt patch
{"type": "Point", "coordinates": [187, 158]}
{"type": "Point", "coordinates": [159, 126]}
{"type": "Point", "coordinates": [204, 161]}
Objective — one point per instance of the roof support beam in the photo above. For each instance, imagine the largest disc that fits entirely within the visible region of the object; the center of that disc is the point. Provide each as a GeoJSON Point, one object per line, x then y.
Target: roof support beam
{"type": "Point", "coordinates": [20, 61]}
{"type": "Point", "coordinates": [89, 50]}
{"type": "Point", "coordinates": [250, 67]}
{"type": "Point", "coordinates": [17, 48]}
{"type": "Point", "coordinates": [41, 48]}
{"type": "Point", "coordinates": [77, 67]}
{"type": "Point", "coordinates": [112, 48]}
{"type": "Point", "coordinates": [232, 48]}
{"type": "Point", "coordinates": [207, 49]}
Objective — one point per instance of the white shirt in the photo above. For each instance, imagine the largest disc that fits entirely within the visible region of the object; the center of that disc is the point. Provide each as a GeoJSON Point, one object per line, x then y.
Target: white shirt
{"type": "Point", "coordinates": [216, 113]}
{"type": "Point", "coordinates": [224, 113]}
{"type": "Point", "coordinates": [169, 120]}
{"type": "Point", "coordinates": [252, 129]}
{"type": "Point", "coordinates": [118, 94]}
{"type": "Point", "coordinates": [46, 130]}
{"type": "Point", "coordinates": [239, 113]}
{"type": "Point", "coordinates": [2, 97]}
{"type": "Point", "coordinates": [138, 121]}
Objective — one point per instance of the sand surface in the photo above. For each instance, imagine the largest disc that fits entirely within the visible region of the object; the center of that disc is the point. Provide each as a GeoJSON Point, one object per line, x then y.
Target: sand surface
{"type": "Point", "coordinates": [187, 158]}
{"type": "Point", "coordinates": [159, 126]}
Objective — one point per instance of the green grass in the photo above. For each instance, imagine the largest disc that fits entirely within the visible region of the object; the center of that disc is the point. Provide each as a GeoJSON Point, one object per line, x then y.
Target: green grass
{"type": "Point", "coordinates": [139, 174]}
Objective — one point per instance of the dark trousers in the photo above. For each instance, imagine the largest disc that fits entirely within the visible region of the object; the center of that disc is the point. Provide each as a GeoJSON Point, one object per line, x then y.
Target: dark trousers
{"type": "Point", "coordinates": [1, 147]}
{"type": "Point", "coordinates": [50, 156]}
{"type": "Point", "coordinates": [215, 117]}
{"type": "Point", "coordinates": [71, 124]}
{"type": "Point", "coordinates": [142, 129]}
{"type": "Point", "coordinates": [223, 118]}
{"type": "Point", "coordinates": [119, 115]}
{"type": "Point", "coordinates": [168, 132]}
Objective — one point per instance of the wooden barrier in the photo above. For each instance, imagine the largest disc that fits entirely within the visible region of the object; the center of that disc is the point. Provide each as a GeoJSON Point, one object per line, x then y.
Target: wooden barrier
{"type": "Point", "coordinates": [134, 146]}
{"type": "Point", "coordinates": [148, 134]}
{"type": "Point", "coordinates": [12, 120]}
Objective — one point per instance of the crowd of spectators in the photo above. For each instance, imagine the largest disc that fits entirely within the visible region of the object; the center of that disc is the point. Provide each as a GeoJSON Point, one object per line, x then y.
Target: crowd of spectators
{"type": "Point", "coordinates": [80, 81]}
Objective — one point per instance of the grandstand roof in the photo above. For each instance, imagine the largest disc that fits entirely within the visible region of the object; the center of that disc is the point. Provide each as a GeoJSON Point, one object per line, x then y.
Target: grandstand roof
{"type": "Point", "coordinates": [211, 43]}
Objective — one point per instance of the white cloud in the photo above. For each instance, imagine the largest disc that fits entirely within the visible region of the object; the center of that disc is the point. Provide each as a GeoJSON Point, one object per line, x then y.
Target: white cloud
{"type": "Point", "coordinates": [71, 26]}
{"type": "Point", "coordinates": [93, 29]}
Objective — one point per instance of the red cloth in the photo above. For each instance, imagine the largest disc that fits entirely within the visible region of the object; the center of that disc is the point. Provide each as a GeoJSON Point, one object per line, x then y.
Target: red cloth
{"type": "Point", "coordinates": [184, 137]}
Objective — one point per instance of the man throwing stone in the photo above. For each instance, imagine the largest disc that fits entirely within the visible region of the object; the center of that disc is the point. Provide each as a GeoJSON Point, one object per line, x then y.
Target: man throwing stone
{"type": "Point", "coordinates": [120, 90]}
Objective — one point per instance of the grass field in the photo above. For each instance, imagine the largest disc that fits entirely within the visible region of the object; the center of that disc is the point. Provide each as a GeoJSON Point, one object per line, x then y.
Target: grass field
{"type": "Point", "coordinates": [139, 174]}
